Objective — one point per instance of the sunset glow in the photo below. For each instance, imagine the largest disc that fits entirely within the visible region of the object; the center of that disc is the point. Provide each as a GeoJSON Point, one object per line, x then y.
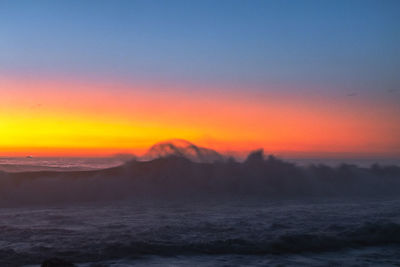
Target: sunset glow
{"type": "Point", "coordinates": [57, 117]}
{"type": "Point", "coordinates": [297, 79]}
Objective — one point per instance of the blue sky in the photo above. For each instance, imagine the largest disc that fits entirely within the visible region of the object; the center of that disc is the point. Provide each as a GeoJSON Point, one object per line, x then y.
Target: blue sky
{"type": "Point", "coordinates": [350, 45]}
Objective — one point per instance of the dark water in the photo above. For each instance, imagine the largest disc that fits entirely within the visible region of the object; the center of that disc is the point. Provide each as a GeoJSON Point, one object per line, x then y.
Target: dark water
{"type": "Point", "coordinates": [350, 232]}
{"type": "Point", "coordinates": [174, 212]}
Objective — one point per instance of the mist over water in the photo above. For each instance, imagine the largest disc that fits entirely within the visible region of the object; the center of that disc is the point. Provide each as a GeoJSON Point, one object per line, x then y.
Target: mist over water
{"type": "Point", "coordinates": [175, 173]}
{"type": "Point", "coordinates": [185, 205]}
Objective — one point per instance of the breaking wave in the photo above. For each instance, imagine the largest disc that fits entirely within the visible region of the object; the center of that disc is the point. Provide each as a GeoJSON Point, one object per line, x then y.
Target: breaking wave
{"type": "Point", "coordinates": [189, 171]}
{"type": "Point", "coordinates": [183, 148]}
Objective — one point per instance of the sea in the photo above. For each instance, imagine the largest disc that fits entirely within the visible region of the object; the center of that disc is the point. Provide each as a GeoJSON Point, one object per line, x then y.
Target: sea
{"type": "Point", "coordinates": [22, 164]}
{"type": "Point", "coordinates": [359, 231]}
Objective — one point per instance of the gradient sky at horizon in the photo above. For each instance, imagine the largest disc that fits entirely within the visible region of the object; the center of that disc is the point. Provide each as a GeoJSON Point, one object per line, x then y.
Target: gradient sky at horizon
{"type": "Point", "coordinates": [99, 77]}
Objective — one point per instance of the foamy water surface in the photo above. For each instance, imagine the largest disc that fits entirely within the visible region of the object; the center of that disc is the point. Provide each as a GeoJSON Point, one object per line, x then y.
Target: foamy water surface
{"type": "Point", "coordinates": [231, 232]}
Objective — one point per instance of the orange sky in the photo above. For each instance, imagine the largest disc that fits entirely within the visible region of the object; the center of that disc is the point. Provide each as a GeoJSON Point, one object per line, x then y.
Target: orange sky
{"type": "Point", "coordinates": [76, 118]}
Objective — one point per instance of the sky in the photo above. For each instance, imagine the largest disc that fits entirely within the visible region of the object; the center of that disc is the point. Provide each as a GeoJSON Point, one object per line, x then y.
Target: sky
{"type": "Point", "coordinates": [297, 78]}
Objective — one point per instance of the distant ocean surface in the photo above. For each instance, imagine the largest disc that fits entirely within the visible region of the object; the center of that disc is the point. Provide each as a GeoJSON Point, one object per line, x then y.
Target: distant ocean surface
{"type": "Point", "coordinates": [226, 231]}
{"type": "Point", "coordinates": [20, 164]}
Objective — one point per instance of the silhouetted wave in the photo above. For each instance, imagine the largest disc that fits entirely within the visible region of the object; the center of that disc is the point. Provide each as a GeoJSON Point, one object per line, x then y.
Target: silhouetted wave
{"type": "Point", "coordinates": [177, 176]}
{"type": "Point", "coordinates": [182, 148]}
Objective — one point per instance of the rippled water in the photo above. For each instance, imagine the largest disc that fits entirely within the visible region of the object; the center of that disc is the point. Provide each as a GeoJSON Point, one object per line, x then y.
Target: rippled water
{"type": "Point", "coordinates": [22, 164]}
{"type": "Point", "coordinates": [351, 232]}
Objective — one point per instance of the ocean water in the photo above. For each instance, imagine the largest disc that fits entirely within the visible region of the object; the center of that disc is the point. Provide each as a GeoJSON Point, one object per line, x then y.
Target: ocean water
{"type": "Point", "coordinates": [350, 232]}
{"type": "Point", "coordinates": [281, 229]}
{"type": "Point", "coordinates": [19, 164]}
{"type": "Point", "coordinates": [22, 164]}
